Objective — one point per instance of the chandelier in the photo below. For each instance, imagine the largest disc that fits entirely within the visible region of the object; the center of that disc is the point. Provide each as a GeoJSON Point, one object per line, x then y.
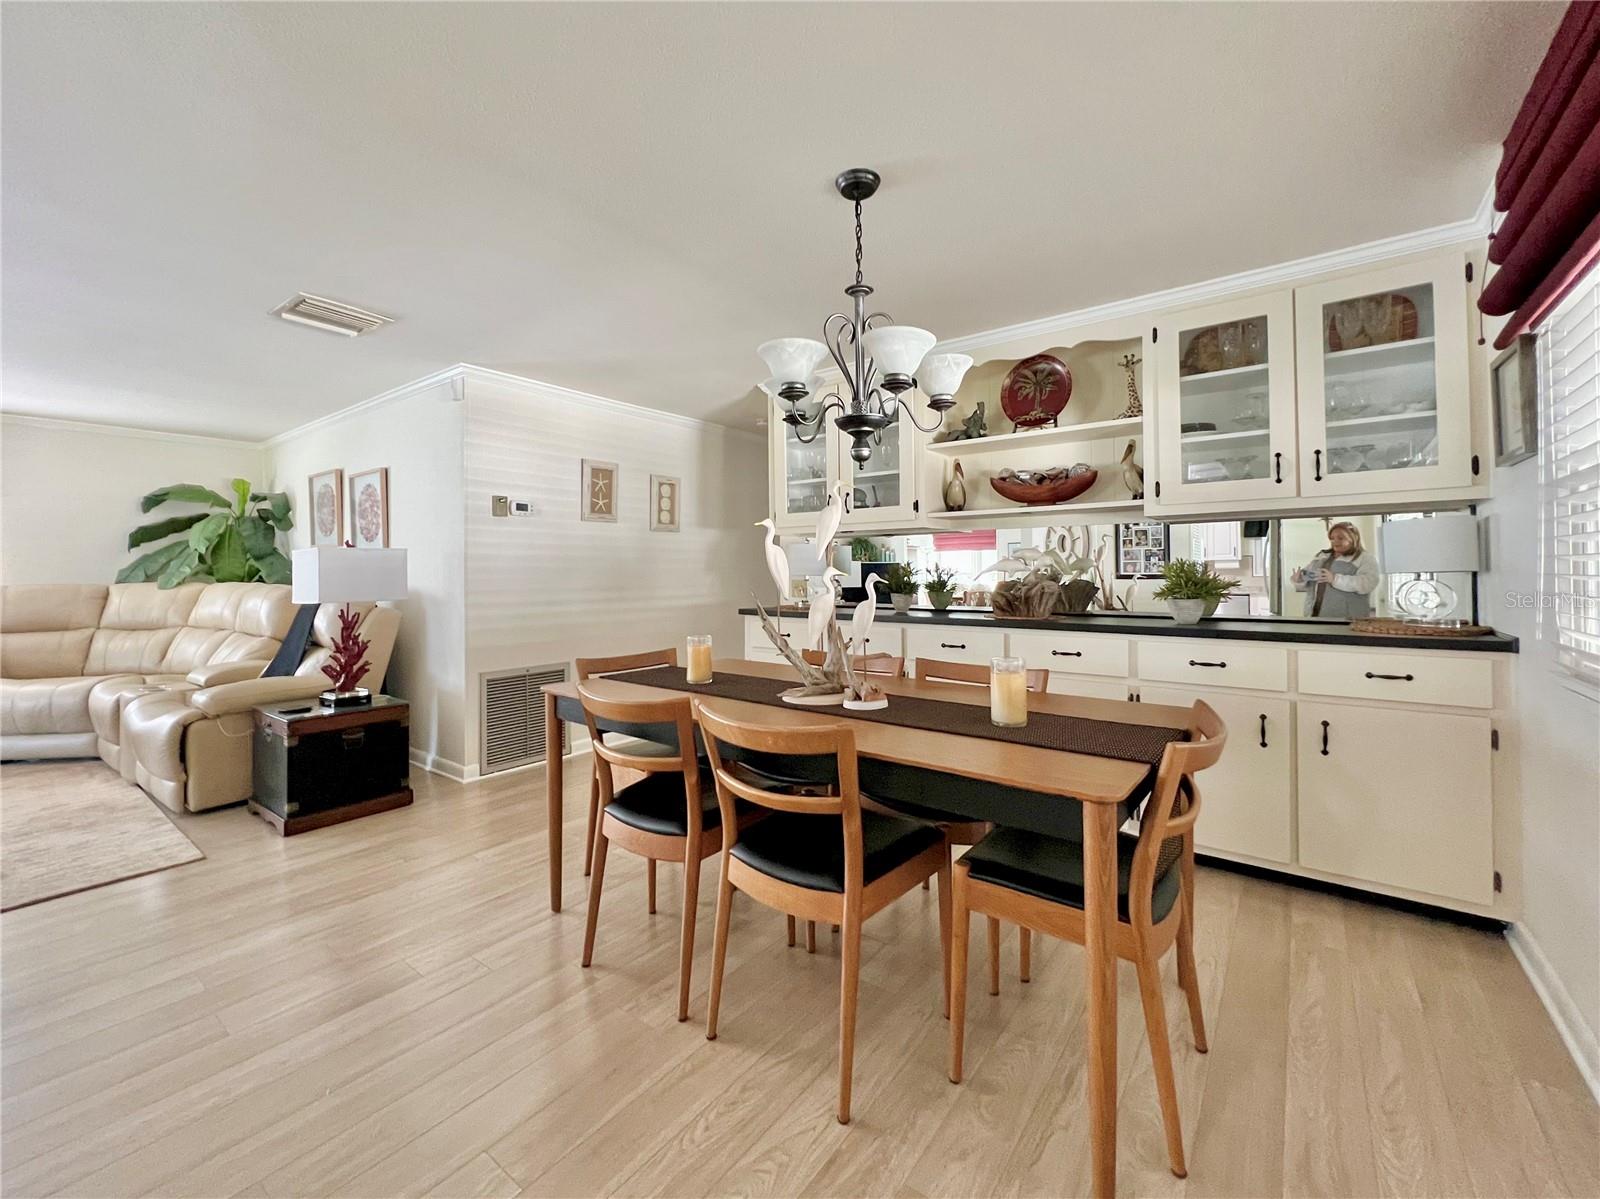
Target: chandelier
{"type": "Point", "coordinates": [878, 361]}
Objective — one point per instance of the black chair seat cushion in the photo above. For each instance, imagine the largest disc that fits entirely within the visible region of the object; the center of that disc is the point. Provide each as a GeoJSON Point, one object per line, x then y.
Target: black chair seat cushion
{"type": "Point", "coordinates": [808, 850]}
{"type": "Point", "coordinates": [657, 804]}
{"type": "Point", "coordinates": [1052, 869]}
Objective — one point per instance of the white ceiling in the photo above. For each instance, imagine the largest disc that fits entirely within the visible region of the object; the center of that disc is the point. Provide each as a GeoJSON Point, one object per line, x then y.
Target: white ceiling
{"type": "Point", "coordinates": [627, 199]}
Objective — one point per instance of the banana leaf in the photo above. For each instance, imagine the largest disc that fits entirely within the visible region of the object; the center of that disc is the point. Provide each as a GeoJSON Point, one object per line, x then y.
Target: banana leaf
{"type": "Point", "coordinates": [228, 561]}
{"type": "Point", "coordinates": [207, 531]}
{"type": "Point", "coordinates": [277, 510]}
{"type": "Point", "coordinates": [181, 567]}
{"type": "Point", "coordinates": [147, 566]}
{"type": "Point", "coordinates": [259, 537]}
{"type": "Point", "coordinates": [186, 493]}
{"type": "Point", "coordinates": [155, 531]}
{"type": "Point", "coordinates": [241, 495]}
{"type": "Point", "coordinates": [274, 567]}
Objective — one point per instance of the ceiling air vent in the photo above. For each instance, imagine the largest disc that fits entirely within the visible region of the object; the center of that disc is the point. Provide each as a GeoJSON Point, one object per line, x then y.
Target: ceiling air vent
{"type": "Point", "coordinates": [321, 313]}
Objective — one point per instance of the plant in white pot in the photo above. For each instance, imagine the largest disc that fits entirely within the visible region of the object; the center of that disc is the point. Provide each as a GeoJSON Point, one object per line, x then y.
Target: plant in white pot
{"type": "Point", "coordinates": [1192, 589]}
{"type": "Point", "coordinates": [941, 587]}
{"type": "Point", "coordinates": [901, 580]}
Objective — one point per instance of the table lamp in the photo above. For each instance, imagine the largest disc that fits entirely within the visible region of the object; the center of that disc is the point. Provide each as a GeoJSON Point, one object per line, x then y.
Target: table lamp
{"type": "Point", "coordinates": [1427, 547]}
{"type": "Point", "coordinates": [329, 574]}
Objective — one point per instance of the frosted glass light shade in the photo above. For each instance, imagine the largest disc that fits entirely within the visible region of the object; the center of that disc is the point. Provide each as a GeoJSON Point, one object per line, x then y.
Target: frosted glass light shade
{"type": "Point", "coordinates": [941, 374]}
{"type": "Point", "coordinates": [792, 359]}
{"type": "Point", "coordinates": [898, 349]}
{"type": "Point", "coordinates": [1430, 544]}
{"type": "Point", "coordinates": [331, 574]}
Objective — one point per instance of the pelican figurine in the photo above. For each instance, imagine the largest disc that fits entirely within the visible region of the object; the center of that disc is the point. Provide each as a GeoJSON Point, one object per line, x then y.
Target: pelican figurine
{"type": "Point", "coordinates": [777, 562]}
{"type": "Point", "coordinates": [1132, 473]}
{"type": "Point", "coordinates": [823, 605]}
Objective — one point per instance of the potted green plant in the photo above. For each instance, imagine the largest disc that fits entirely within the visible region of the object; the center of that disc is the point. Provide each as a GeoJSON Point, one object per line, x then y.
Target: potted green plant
{"type": "Point", "coordinates": [864, 549]}
{"type": "Point", "coordinates": [901, 579]}
{"type": "Point", "coordinates": [228, 541]}
{"type": "Point", "coordinates": [1192, 589]}
{"type": "Point", "coordinates": [941, 587]}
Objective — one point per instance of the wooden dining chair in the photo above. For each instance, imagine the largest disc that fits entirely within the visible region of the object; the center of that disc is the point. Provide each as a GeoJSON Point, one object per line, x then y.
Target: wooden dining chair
{"type": "Point", "coordinates": [1038, 882]}
{"type": "Point", "coordinates": [818, 857]}
{"type": "Point", "coordinates": [588, 668]}
{"type": "Point", "coordinates": [970, 833]}
{"type": "Point", "coordinates": [669, 815]}
{"type": "Point", "coordinates": [886, 664]}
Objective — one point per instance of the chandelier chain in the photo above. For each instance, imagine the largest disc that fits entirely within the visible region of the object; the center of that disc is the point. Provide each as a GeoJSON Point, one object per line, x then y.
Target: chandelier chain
{"type": "Point", "coordinates": [858, 243]}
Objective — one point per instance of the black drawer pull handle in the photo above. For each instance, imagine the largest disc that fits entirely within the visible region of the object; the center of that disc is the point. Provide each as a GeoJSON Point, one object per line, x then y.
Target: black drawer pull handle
{"type": "Point", "coordinates": [1066, 653]}
{"type": "Point", "coordinates": [1399, 678]}
{"type": "Point", "coordinates": [1316, 457]}
{"type": "Point", "coordinates": [952, 645]}
{"type": "Point", "coordinates": [352, 737]}
{"type": "Point", "coordinates": [1324, 738]}
{"type": "Point", "coordinates": [1277, 468]}
{"type": "Point", "coordinates": [1263, 730]}
{"type": "Point", "coordinates": [1218, 665]}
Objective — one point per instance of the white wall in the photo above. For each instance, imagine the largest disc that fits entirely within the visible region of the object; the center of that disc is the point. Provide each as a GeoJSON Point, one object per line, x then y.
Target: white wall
{"type": "Point", "coordinates": [547, 589]}
{"type": "Point", "coordinates": [418, 436]}
{"type": "Point", "coordinates": [69, 492]}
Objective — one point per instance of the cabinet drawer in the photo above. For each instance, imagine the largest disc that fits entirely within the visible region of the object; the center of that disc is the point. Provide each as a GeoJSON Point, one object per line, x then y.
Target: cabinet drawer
{"type": "Point", "coordinates": [756, 644]}
{"type": "Point", "coordinates": [1464, 681]}
{"type": "Point", "coordinates": [949, 643]}
{"type": "Point", "coordinates": [1215, 663]}
{"type": "Point", "coordinates": [1072, 653]}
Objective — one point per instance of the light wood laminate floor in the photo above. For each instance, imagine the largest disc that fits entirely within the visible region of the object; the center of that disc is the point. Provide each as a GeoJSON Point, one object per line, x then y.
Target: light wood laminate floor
{"type": "Point", "coordinates": [389, 1007]}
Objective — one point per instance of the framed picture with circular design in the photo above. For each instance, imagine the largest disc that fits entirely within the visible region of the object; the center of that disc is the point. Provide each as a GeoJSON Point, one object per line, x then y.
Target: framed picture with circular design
{"type": "Point", "coordinates": [369, 508]}
{"type": "Point", "coordinates": [665, 493]}
{"type": "Point", "coordinates": [327, 508]}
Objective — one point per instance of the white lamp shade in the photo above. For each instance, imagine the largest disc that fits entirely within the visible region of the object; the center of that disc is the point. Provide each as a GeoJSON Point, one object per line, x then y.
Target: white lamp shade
{"type": "Point", "coordinates": [898, 349]}
{"type": "Point", "coordinates": [941, 374]}
{"type": "Point", "coordinates": [792, 359]}
{"type": "Point", "coordinates": [328, 574]}
{"type": "Point", "coordinates": [1429, 545]}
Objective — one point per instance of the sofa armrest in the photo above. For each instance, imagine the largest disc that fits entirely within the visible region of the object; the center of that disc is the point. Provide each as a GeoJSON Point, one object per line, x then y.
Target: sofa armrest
{"type": "Point", "coordinates": [218, 673]}
{"type": "Point", "coordinates": [242, 696]}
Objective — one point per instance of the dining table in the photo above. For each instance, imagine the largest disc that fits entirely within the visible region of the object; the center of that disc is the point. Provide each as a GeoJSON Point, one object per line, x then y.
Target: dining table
{"type": "Point", "coordinates": [950, 776]}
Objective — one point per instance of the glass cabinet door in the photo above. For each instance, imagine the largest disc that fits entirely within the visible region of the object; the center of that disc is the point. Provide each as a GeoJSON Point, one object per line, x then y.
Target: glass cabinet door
{"type": "Point", "coordinates": [802, 473]}
{"type": "Point", "coordinates": [880, 491]}
{"type": "Point", "coordinates": [1382, 364]}
{"type": "Point", "coordinates": [1225, 402]}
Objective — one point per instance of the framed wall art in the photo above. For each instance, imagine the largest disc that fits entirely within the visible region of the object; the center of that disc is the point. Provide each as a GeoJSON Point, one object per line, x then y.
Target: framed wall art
{"type": "Point", "coordinates": [1142, 549]}
{"type": "Point", "coordinates": [327, 507]}
{"type": "Point", "coordinates": [369, 508]}
{"type": "Point", "coordinates": [599, 491]}
{"type": "Point", "coordinates": [1514, 386]}
{"type": "Point", "coordinates": [665, 493]}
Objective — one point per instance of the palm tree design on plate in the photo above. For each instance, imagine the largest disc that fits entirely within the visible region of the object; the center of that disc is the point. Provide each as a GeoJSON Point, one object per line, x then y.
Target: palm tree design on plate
{"type": "Point", "coordinates": [1043, 384]}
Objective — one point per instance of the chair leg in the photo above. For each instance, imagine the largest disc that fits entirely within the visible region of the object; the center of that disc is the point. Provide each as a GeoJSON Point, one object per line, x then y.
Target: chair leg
{"type": "Point", "coordinates": [650, 884]}
{"type": "Point", "coordinates": [811, 936]}
{"type": "Point", "coordinates": [596, 881]}
{"type": "Point", "coordinates": [924, 884]}
{"type": "Point", "coordinates": [691, 899]}
{"type": "Point", "coordinates": [944, 930]}
{"type": "Point", "coordinates": [719, 949]}
{"type": "Point", "coordinates": [960, 920]}
{"type": "Point", "coordinates": [594, 819]}
{"type": "Point", "coordinates": [1155, 1023]}
{"type": "Point", "coordinates": [849, 988]}
{"type": "Point", "coordinates": [994, 955]}
{"type": "Point", "coordinates": [791, 932]}
{"type": "Point", "coordinates": [1025, 953]}
{"type": "Point", "coordinates": [1189, 977]}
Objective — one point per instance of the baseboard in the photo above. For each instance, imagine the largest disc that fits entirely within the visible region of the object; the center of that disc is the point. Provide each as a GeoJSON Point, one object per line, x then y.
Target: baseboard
{"type": "Point", "coordinates": [434, 764]}
{"type": "Point", "coordinates": [1575, 1032]}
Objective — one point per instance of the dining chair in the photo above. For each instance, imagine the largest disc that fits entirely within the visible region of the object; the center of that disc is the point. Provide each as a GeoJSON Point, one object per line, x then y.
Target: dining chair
{"type": "Point", "coordinates": [586, 669]}
{"type": "Point", "coordinates": [887, 664]}
{"type": "Point", "coordinates": [818, 857]}
{"type": "Point", "coordinates": [1038, 882]}
{"type": "Point", "coordinates": [1036, 681]}
{"type": "Point", "coordinates": [671, 814]}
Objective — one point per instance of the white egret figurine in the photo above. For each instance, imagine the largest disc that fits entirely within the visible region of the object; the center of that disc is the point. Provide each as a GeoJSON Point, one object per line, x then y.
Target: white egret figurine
{"type": "Point", "coordinates": [823, 607]}
{"type": "Point", "coordinates": [829, 519]}
{"type": "Point", "coordinates": [777, 562]}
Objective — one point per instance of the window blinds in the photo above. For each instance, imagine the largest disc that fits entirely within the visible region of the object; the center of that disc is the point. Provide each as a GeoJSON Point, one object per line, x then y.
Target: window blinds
{"type": "Point", "coordinates": [1569, 390]}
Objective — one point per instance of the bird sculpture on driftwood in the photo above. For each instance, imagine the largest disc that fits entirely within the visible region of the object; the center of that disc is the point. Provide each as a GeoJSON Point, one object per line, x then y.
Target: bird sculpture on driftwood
{"type": "Point", "coordinates": [777, 562]}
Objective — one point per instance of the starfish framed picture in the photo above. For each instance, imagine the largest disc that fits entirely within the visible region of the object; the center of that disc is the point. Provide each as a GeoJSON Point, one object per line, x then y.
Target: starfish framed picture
{"type": "Point", "coordinates": [599, 491]}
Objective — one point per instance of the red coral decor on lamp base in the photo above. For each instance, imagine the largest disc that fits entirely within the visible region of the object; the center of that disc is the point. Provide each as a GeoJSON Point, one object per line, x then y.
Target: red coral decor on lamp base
{"type": "Point", "coordinates": [344, 575]}
{"type": "Point", "coordinates": [347, 664]}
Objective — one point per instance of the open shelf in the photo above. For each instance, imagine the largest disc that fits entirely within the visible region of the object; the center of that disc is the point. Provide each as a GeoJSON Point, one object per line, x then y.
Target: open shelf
{"type": "Point", "coordinates": [1135, 509]}
{"type": "Point", "coordinates": [1034, 438]}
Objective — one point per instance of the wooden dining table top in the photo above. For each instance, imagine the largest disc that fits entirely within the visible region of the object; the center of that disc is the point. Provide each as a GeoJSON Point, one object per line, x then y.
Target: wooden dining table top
{"type": "Point", "coordinates": [1085, 777]}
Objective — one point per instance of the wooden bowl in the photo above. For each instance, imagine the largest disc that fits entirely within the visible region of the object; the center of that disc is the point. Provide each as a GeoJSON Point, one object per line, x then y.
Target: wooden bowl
{"type": "Point", "coordinates": [1057, 492]}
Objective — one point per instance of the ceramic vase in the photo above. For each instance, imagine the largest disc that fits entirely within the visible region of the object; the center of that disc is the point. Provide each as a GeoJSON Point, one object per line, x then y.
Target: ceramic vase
{"type": "Point", "coordinates": [901, 601]}
{"type": "Point", "coordinates": [1187, 611]}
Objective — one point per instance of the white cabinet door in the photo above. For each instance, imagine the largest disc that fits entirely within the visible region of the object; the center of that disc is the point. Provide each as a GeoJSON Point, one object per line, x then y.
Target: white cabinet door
{"type": "Point", "coordinates": [1245, 799]}
{"type": "Point", "coordinates": [1224, 396]}
{"type": "Point", "coordinates": [882, 491]}
{"type": "Point", "coordinates": [1381, 359]}
{"type": "Point", "coordinates": [801, 473]}
{"type": "Point", "coordinates": [1397, 797]}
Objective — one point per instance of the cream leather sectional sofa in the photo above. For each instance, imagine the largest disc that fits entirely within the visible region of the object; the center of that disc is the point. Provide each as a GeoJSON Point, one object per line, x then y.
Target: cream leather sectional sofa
{"type": "Point", "coordinates": [160, 684]}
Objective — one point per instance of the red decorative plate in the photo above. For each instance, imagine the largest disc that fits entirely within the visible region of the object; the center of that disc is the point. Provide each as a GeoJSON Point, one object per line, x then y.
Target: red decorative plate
{"type": "Point", "coordinates": [1036, 391]}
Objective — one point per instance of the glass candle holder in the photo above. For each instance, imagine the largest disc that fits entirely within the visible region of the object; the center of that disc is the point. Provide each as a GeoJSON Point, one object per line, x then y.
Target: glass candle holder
{"type": "Point", "coordinates": [699, 658]}
{"type": "Point", "coordinates": [1008, 692]}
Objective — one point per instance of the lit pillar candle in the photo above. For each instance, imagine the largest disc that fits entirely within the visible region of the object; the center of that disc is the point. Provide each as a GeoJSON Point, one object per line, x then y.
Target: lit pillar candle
{"type": "Point", "coordinates": [1008, 692]}
{"type": "Point", "coordinates": [699, 659]}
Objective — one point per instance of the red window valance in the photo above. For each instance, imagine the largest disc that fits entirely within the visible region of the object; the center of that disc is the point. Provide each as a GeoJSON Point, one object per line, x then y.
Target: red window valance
{"type": "Point", "coordinates": [1548, 184]}
{"type": "Point", "coordinates": [977, 539]}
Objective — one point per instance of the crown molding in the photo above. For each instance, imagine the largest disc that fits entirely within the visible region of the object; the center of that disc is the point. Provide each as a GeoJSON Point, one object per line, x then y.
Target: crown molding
{"type": "Point", "coordinates": [1439, 237]}
{"type": "Point", "coordinates": [426, 383]}
{"type": "Point", "coordinates": [87, 426]}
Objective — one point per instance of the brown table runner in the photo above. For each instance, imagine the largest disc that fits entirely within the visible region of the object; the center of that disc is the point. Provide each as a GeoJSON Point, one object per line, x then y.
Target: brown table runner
{"type": "Point", "coordinates": [1047, 730]}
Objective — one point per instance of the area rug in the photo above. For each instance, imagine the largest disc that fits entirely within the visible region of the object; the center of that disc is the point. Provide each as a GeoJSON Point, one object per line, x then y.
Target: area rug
{"type": "Point", "coordinates": [69, 826]}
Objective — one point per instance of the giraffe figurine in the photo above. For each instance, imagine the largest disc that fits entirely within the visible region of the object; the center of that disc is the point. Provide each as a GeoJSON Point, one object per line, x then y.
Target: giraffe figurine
{"type": "Point", "coordinates": [1134, 408]}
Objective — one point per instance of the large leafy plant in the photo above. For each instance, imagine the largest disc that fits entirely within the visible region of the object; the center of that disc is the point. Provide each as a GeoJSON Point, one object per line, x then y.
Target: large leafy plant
{"type": "Point", "coordinates": [233, 541]}
{"type": "Point", "coordinates": [1182, 579]}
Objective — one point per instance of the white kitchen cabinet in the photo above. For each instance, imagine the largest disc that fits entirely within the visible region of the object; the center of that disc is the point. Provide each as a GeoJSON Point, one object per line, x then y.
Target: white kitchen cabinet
{"type": "Point", "coordinates": [1225, 402]}
{"type": "Point", "coordinates": [1217, 542]}
{"type": "Point", "coordinates": [882, 491]}
{"type": "Point", "coordinates": [1247, 797]}
{"type": "Point", "coordinates": [1401, 798]}
{"type": "Point", "coordinates": [953, 643]}
{"type": "Point", "coordinates": [802, 474]}
{"type": "Point", "coordinates": [1381, 374]}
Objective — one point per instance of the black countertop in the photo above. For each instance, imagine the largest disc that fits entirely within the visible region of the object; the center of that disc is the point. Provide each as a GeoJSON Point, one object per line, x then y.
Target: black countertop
{"type": "Point", "coordinates": [1305, 631]}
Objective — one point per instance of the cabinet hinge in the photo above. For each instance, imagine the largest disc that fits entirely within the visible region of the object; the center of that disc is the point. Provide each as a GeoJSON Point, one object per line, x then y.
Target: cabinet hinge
{"type": "Point", "coordinates": [1497, 882]}
{"type": "Point", "coordinates": [1494, 738]}
{"type": "Point", "coordinates": [1474, 466]}
{"type": "Point", "coordinates": [1469, 272]}
{"type": "Point", "coordinates": [1153, 336]}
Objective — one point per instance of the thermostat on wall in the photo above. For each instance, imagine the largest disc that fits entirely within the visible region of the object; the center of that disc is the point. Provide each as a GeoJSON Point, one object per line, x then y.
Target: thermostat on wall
{"type": "Point", "coordinates": [521, 507]}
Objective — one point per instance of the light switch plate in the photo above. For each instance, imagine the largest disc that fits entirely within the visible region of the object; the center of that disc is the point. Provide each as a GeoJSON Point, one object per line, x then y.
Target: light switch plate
{"type": "Point", "coordinates": [499, 505]}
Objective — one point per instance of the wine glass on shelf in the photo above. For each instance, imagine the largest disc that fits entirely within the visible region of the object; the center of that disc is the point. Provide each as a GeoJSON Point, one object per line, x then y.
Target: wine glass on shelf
{"type": "Point", "coordinates": [1230, 344]}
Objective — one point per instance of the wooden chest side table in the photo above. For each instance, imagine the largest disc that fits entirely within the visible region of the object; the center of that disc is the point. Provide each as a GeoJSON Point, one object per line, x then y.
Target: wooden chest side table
{"type": "Point", "coordinates": [316, 766]}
